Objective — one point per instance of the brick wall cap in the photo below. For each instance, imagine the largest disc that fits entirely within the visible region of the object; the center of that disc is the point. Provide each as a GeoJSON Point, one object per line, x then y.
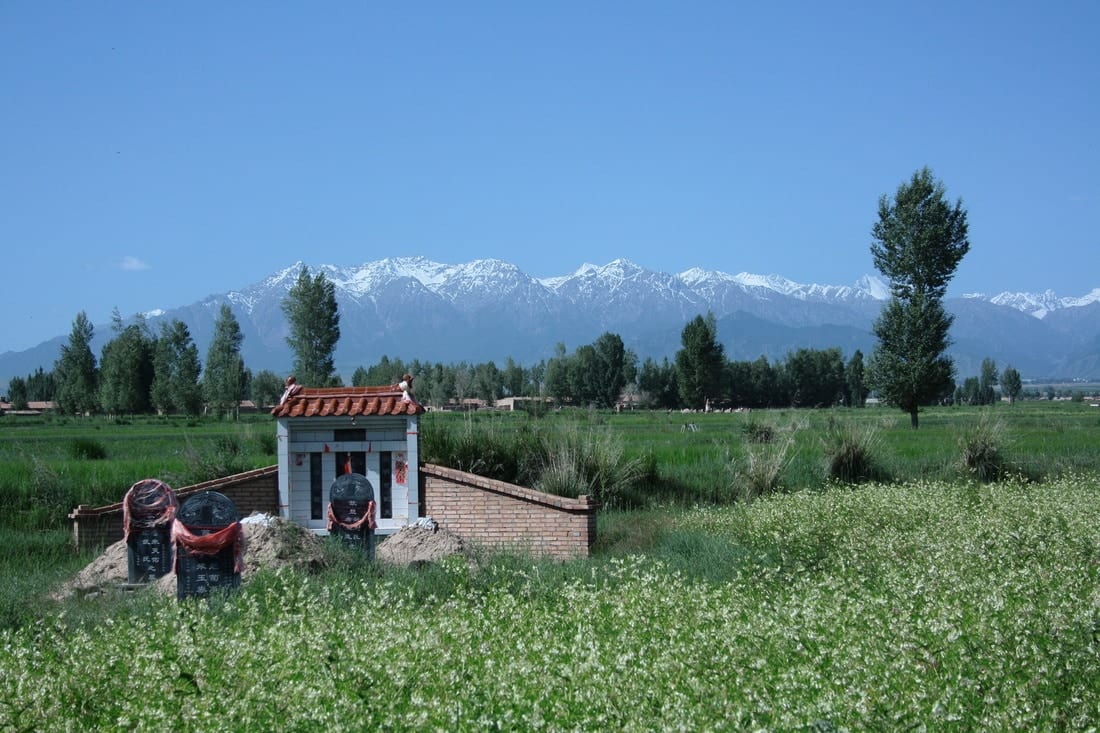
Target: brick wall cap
{"type": "Point", "coordinates": [217, 484]}
{"type": "Point", "coordinates": [580, 505]}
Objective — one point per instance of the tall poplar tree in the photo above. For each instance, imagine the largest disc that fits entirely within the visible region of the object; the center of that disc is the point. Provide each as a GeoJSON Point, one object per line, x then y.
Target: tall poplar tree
{"type": "Point", "coordinates": [700, 362]}
{"type": "Point", "coordinates": [918, 242]}
{"type": "Point", "coordinates": [1011, 384]}
{"type": "Point", "coordinates": [126, 368]}
{"type": "Point", "coordinates": [314, 321]}
{"type": "Point", "coordinates": [75, 370]}
{"type": "Point", "coordinates": [854, 374]}
{"type": "Point", "coordinates": [223, 378]}
{"type": "Point", "coordinates": [176, 370]}
{"type": "Point", "coordinates": [610, 369]}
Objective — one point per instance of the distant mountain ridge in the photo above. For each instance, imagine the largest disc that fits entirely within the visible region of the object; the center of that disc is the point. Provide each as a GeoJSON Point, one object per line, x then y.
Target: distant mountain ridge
{"type": "Point", "coordinates": [488, 309]}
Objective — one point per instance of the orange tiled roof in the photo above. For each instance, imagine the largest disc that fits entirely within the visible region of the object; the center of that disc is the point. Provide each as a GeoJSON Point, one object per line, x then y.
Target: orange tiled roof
{"type": "Point", "coordinates": [346, 402]}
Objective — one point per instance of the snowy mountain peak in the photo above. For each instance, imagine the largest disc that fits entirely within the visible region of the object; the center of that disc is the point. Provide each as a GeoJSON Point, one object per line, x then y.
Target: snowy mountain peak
{"type": "Point", "coordinates": [874, 286]}
{"type": "Point", "coordinates": [1042, 304]}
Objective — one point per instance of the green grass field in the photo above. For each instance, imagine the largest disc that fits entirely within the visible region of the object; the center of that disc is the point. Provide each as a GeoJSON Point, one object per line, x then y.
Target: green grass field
{"type": "Point", "coordinates": [932, 601]}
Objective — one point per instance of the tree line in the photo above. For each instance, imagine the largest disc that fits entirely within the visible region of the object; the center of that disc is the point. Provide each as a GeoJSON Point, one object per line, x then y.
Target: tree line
{"type": "Point", "coordinates": [918, 241]}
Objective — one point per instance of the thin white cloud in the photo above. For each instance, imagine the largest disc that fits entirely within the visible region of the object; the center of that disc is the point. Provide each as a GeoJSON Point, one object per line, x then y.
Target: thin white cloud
{"type": "Point", "coordinates": [133, 264]}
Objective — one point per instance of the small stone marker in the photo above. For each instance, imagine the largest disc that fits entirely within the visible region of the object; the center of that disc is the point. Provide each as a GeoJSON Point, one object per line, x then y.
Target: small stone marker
{"type": "Point", "coordinates": [207, 537]}
{"type": "Point", "coordinates": [147, 511]}
{"type": "Point", "coordinates": [351, 511]}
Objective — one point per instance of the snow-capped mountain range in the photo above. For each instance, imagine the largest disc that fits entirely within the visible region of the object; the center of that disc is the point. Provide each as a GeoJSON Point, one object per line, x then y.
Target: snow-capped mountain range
{"type": "Point", "coordinates": [415, 308]}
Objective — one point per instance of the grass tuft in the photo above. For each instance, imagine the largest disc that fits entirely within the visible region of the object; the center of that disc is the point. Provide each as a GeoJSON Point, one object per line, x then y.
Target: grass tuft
{"type": "Point", "coordinates": [982, 449]}
{"type": "Point", "coordinates": [852, 454]}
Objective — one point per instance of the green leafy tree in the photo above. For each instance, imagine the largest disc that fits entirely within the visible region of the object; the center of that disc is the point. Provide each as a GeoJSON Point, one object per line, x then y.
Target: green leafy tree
{"type": "Point", "coordinates": [223, 378]}
{"type": "Point", "coordinates": [609, 369]}
{"type": "Point", "coordinates": [1011, 384]}
{"type": "Point", "coordinates": [314, 322]}
{"type": "Point", "coordinates": [17, 393]}
{"type": "Point", "coordinates": [41, 385]}
{"type": "Point", "coordinates": [918, 242]}
{"type": "Point", "coordinates": [582, 375]}
{"type": "Point", "coordinates": [514, 378]}
{"type": "Point", "coordinates": [441, 386]}
{"type": "Point", "coordinates": [969, 392]}
{"type": "Point", "coordinates": [816, 377]}
{"type": "Point", "coordinates": [657, 381]}
{"type": "Point", "coordinates": [486, 381]}
{"type": "Point", "coordinates": [266, 388]}
{"type": "Point", "coordinates": [386, 371]}
{"type": "Point", "coordinates": [126, 368]}
{"type": "Point", "coordinates": [699, 362]}
{"type": "Point", "coordinates": [987, 380]}
{"type": "Point", "coordinates": [75, 370]}
{"type": "Point", "coordinates": [853, 373]}
{"type": "Point", "coordinates": [176, 370]}
{"type": "Point", "coordinates": [765, 384]}
{"type": "Point", "coordinates": [557, 375]}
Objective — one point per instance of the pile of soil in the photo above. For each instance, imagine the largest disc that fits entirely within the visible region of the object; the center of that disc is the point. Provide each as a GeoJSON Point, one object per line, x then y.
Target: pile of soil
{"type": "Point", "coordinates": [268, 542]}
{"type": "Point", "coordinates": [417, 544]}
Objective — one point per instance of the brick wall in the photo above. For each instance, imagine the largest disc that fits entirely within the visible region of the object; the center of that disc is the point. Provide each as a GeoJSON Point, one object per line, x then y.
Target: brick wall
{"type": "Point", "coordinates": [252, 491]}
{"type": "Point", "coordinates": [480, 510]}
{"type": "Point", "coordinates": [497, 514]}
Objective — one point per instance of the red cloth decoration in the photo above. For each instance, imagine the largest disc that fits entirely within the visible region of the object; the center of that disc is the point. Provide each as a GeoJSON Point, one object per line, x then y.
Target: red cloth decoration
{"type": "Point", "coordinates": [347, 464]}
{"type": "Point", "coordinates": [209, 544]}
{"type": "Point", "coordinates": [367, 519]}
{"type": "Point", "coordinates": [149, 503]}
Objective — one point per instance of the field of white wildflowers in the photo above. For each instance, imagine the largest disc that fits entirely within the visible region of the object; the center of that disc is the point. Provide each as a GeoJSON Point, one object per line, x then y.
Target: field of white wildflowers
{"type": "Point", "coordinates": [931, 606]}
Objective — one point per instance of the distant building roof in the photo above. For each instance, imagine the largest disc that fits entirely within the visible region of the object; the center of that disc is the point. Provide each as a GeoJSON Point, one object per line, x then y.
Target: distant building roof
{"type": "Point", "coordinates": [346, 402]}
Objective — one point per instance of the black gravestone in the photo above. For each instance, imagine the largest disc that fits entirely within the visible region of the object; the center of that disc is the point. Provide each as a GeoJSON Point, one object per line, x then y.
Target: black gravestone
{"type": "Point", "coordinates": [351, 498]}
{"type": "Point", "coordinates": [199, 575]}
{"type": "Point", "coordinates": [150, 507]}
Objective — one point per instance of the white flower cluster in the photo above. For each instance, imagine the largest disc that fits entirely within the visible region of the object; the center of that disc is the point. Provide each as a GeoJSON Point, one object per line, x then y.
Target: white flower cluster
{"type": "Point", "coordinates": [927, 605]}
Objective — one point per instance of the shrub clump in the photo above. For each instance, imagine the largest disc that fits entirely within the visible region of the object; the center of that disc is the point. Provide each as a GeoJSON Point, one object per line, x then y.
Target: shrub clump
{"type": "Point", "coordinates": [592, 463]}
{"type": "Point", "coordinates": [761, 473]}
{"type": "Point", "coordinates": [87, 449]}
{"type": "Point", "coordinates": [758, 432]}
{"type": "Point", "coordinates": [852, 454]}
{"type": "Point", "coordinates": [982, 452]}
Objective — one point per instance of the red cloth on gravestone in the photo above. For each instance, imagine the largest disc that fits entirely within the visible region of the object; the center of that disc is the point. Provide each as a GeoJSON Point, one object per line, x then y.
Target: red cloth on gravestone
{"type": "Point", "coordinates": [149, 503]}
{"type": "Point", "coordinates": [209, 545]}
{"type": "Point", "coordinates": [367, 519]}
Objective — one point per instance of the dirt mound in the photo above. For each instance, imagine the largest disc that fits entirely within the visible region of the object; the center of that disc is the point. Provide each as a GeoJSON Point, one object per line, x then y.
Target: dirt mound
{"type": "Point", "coordinates": [418, 543]}
{"type": "Point", "coordinates": [268, 542]}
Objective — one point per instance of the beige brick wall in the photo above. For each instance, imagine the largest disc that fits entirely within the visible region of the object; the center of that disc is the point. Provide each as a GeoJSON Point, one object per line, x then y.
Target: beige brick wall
{"type": "Point", "coordinates": [480, 510]}
{"type": "Point", "coordinates": [496, 514]}
{"type": "Point", "coordinates": [252, 491]}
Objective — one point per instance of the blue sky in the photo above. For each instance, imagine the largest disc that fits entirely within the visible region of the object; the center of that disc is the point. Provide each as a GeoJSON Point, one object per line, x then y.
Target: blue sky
{"type": "Point", "coordinates": [155, 153]}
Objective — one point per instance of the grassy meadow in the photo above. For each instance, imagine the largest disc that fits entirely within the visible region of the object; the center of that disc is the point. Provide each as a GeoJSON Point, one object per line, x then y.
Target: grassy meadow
{"type": "Point", "coordinates": [925, 599]}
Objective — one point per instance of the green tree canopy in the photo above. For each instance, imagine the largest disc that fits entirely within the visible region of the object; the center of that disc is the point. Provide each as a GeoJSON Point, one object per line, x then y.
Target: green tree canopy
{"type": "Point", "coordinates": [176, 370]}
{"type": "Point", "coordinates": [611, 365]}
{"type": "Point", "coordinates": [700, 361]}
{"type": "Point", "coordinates": [816, 377]}
{"type": "Point", "coordinates": [854, 374]}
{"type": "Point", "coordinates": [987, 380]}
{"type": "Point", "coordinates": [918, 242]}
{"type": "Point", "coordinates": [1011, 384]}
{"type": "Point", "coordinates": [314, 321]}
{"type": "Point", "coordinates": [17, 393]}
{"type": "Point", "coordinates": [75, 370]}
{"type": "Point", "coordinates": [266, 388]}
{"type": "Point", "coordinates": [909, 367]}
{"type": "Point", "coordinates": [223, 378]}
{"type": "Point", "coordinates": [657, 381]}
{"type": "Point", "coordinates": [919, 239]}
{"type": "Point", "coordinates": [126, 369]}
